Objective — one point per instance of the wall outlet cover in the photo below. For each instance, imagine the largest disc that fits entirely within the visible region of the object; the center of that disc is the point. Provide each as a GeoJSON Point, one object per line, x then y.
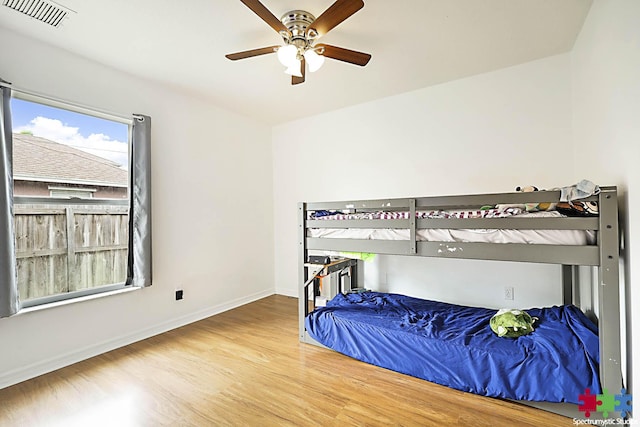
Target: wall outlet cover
{"type": "Point", "coordinates": [508, 293]}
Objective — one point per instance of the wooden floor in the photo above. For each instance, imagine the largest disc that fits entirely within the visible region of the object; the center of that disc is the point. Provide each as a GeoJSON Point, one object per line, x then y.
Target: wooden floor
{"type": "Point", "coordinates": [246, 367]}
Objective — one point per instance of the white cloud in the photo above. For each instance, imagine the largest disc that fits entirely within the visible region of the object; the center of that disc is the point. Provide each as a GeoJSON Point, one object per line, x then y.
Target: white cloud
{"type": "Point", "coordinates": [97, 144]}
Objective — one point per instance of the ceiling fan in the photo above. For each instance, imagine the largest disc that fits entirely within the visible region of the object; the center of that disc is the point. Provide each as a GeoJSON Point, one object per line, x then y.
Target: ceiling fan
{"type": "Point", "coordinates": [300, 30]}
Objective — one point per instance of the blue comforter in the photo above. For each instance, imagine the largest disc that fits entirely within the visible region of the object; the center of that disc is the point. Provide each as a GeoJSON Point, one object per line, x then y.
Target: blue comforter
{"type": "Point", "coordinates": [454, 345]}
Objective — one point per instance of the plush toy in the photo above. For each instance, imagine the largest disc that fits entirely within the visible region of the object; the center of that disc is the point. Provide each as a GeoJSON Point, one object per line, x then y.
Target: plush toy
{"type": "Point", "coordinates": [578, 208]}
{"type": "Point", "coordinates": [535, 207]}
{"type": "Point", "coordinates": [511, 323]}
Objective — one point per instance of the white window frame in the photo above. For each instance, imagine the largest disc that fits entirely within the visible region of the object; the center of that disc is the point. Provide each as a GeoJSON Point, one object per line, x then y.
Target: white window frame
{"type": "Point", "coordinates": [34, 302]}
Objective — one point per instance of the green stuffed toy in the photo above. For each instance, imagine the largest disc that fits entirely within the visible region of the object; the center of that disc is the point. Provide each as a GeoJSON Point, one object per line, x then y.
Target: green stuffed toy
{"type": "Point", "coordinates": [511, 323]}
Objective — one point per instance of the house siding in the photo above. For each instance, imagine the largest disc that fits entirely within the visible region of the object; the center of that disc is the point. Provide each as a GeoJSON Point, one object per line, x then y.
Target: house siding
{"type": "Point", "coordinates": [42, 189]}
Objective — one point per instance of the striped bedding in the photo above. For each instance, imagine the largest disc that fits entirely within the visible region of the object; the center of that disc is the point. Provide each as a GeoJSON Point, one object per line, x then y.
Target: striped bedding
{"type": "Point", "coordinates": [523, 236]}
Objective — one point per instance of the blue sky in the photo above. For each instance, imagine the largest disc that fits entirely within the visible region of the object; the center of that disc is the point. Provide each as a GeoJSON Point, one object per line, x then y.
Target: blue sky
{"type": "Point", "coordinates": [23, 112]}
{"type": "Point", "coordinates": [97, 136]}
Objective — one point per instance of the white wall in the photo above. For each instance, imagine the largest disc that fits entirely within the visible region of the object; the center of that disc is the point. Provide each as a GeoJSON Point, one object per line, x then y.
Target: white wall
{"type": "Point", "coordinates": [487, 133]}
{"type": "Point", "coordinates": [206, 188]}
{"type": "Point", "coordinates": [606, 113]}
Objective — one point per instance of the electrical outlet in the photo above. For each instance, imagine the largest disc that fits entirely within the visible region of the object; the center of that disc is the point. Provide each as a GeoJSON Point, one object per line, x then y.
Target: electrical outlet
{"type": "Point", "coordinates": [508, 293]}
{"type": "Point", "coordinates": [179, 294]}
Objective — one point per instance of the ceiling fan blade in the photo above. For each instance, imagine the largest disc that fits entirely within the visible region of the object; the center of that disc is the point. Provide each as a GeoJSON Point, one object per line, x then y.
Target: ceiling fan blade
{"type": "Point", "coordinates": [337, 12]}
{"type": "Point", "coordinates": [266, 15]}
{"type": "Point", "coordinates": [342, 54]}
{"type": "Point", "coordinates": [252, 52]}
{"type": "Point", "coordinates": [297, 80]}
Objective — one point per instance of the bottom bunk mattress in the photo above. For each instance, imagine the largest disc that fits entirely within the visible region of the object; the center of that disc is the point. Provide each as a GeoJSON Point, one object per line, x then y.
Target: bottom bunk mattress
{"type": "Point", "coordinates": [454, 345]}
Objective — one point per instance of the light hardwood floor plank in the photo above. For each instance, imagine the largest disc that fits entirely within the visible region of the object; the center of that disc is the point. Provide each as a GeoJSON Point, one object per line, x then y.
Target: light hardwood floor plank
{"type": "Point", "coordinates": [246, 367]}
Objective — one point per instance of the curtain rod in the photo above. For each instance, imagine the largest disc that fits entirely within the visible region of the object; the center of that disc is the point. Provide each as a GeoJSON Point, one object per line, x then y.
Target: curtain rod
{"type": "Point", "coordinates": [28, 95]}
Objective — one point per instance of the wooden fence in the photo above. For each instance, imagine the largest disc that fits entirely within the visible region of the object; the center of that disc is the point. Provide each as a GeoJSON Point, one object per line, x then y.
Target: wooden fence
{"type": "Point", "coordinates": [66, 248]}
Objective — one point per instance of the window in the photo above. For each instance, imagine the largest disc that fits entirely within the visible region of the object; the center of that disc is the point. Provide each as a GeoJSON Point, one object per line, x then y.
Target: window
{"type": "Point", "coordinates": [71, 193]}
{"type": "Point", "coordinates": [71, 201]}
{"type": "Point", "coordinates": [64, 235]}
{"type": "Point", "coordinates": [56, 248]}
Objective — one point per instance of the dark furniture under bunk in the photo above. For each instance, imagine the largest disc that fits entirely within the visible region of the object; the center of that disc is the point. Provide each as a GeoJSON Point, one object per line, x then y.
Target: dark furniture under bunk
{"type": "Point", "coordinates": [602, 253]}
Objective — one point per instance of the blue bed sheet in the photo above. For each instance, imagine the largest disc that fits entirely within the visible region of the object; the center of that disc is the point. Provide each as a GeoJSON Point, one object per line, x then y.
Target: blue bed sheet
{"type": "Point", "coordinates": [454, 345]}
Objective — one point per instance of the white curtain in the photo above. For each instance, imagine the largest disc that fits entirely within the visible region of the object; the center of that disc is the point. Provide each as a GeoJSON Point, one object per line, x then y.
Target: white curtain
{"type": "Point", "coordinates": [9, 299]}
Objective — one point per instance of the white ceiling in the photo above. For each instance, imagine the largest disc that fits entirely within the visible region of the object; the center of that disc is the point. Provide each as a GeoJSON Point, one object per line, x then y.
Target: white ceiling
{"type": "Point", "coordinates": [413, 43]}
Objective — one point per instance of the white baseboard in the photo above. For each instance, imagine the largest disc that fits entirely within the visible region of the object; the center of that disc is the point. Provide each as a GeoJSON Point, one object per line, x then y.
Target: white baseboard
{"type": "Point", "coordinates": [49, 365]}
{"type": "Point", "coordinates": [287, 292]}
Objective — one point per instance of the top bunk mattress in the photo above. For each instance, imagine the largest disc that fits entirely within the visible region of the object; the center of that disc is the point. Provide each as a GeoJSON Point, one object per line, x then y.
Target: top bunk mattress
{"type": "Point", "coordinates": [484, 235]}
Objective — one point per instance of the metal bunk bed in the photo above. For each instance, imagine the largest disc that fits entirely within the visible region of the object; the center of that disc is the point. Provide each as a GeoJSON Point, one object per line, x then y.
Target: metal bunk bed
{"type": "Point", "coordinates": [604, 254]}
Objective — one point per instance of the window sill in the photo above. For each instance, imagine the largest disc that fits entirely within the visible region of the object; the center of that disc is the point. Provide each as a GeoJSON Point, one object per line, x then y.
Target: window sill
{"type": "Point", "coordinates": [76, 300]}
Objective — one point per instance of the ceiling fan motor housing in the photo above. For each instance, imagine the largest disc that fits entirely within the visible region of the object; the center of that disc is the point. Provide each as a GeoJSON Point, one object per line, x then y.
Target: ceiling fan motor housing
{"type": "Point", "coordinates": [297, 22]}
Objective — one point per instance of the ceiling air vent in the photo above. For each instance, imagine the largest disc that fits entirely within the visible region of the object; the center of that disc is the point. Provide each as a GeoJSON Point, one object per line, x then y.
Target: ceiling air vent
{"type": "Point", "coordinates": [43, 11]}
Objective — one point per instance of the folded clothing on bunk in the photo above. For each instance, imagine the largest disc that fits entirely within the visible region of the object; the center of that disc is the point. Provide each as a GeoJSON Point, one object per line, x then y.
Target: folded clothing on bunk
{"type": "Point", "coordinates": [454, 345]}
{"type": "Point", "coordinates": [569, 196]}
{"type": "Point", "coordinates": [578, 208]}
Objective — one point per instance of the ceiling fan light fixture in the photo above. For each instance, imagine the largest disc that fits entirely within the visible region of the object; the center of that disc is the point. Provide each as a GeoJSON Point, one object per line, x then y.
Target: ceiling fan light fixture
{"type": "Point", "coordinates": [287, 55]}
{"type": "Point", "coordinates": [314, 60]}
{"type": "Point", "coordinates": [295, 69]}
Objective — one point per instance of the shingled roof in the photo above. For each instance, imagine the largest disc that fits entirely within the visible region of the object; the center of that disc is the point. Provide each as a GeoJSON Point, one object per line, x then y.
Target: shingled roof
{"type": "Point", "coordinates": [39, 159]}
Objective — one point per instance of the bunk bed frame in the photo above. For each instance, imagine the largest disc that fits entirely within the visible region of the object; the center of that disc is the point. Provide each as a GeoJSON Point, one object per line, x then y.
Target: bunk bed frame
{"type": "Point", "coordinates": [604, 254]}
